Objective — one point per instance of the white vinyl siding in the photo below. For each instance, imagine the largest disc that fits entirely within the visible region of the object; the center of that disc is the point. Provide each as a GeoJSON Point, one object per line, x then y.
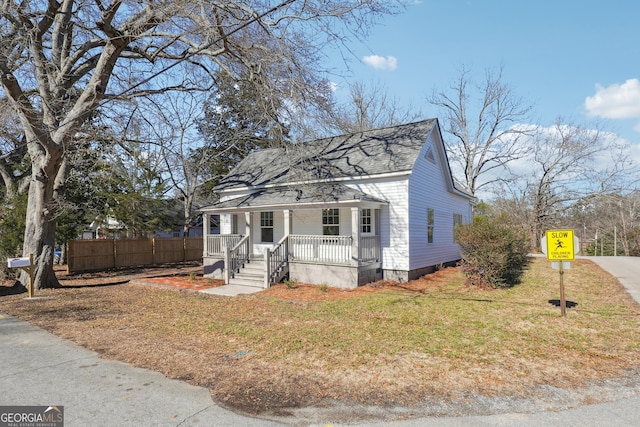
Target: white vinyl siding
{"type": "Point", "coordinates": [393, 219]}
{"type": "Point", "coordinates": [258, 243]}
{"type": "Point", "coordinates": [309, 222]}
{"type": "Point", "coordinates": [428, 190]}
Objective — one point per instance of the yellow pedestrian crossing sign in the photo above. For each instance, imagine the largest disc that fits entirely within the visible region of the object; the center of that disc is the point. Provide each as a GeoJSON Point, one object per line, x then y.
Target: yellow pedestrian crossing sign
{"type": "Point", "coordinates": [560, 245]}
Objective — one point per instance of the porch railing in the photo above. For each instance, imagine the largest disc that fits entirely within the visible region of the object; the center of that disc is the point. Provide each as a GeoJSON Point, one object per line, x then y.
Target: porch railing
{"type": "Point", "coordinates": [216, 244]}
{"type": "Point", "coordinates": [277, 262]}
{"type": "Point", "coordinates": [236, 257]}
{"type": "Point", "coordinates": [331, 249]}
{"type": "Point", "coordinates": [369, 248]}
{"type": "Point", "coordinates": [310, 248]}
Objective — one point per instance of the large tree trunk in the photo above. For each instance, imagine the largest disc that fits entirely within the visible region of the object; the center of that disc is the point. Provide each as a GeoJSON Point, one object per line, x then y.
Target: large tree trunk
{"type": "Point", "coordinates": [39, 235]}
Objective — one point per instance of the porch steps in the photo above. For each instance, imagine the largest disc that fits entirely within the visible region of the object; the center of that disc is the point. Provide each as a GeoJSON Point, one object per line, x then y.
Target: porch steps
{"type": "Point", "coordinates": [252, 274]}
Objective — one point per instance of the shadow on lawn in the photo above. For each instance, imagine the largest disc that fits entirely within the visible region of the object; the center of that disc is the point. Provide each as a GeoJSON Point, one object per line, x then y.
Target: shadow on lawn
{"type": "Point", "coordinates": [16, 289]}
{"type": "Point", "coordinates": [423, 292]}
{"type": "Point", "coordinates": [569, 304]}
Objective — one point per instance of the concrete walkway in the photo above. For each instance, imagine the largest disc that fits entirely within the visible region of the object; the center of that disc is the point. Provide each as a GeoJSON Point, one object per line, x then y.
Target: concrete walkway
{"type": "Point", "coordinates": [232, 290]}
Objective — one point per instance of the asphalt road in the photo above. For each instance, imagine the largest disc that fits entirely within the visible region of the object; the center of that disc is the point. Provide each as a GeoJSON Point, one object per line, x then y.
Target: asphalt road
{"type": "Point", "coordinates": [38, 368]}
{"type": "Point", "coordinates": [625, 269]}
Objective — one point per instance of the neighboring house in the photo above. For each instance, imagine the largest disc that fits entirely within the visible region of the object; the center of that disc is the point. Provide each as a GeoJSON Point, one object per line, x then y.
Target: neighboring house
{"type": "Point", "coordinates": [344, 211]}
{"type": "Point", "coordinates": [107, 228]}
{"type": "Point", "coordinates": [195, 231]}
{"type": "Point", "coordinates": [111, 227]}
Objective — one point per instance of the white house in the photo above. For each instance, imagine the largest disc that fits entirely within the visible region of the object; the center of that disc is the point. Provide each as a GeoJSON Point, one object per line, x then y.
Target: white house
{"type": "Point", "coordinates": [344, 211]}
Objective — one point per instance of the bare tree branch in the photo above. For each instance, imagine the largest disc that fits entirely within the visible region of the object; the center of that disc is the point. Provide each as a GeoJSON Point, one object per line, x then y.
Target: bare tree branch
{"type": "Point", "coordinates": [492, 139]}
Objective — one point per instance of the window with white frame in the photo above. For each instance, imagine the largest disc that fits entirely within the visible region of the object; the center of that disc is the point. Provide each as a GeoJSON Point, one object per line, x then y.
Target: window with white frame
{"type": "Point", "coordinates": [330, 222]}
{"type": "Point", "coordinates": [430, 224]}
{"type": "Point", "coordinates": [266, 226]}
{"type": "Point", "coordinates": [457, 220]}
{"type": "Point", "coordinates": [366, 223]}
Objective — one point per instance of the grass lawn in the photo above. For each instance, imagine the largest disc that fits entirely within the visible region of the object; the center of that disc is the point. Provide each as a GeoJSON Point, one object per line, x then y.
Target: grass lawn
{"type": "Point", "coordinates": [382, 344]}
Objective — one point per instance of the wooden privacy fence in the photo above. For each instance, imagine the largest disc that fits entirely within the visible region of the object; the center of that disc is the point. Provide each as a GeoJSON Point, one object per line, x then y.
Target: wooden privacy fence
{"type": "Point", "coordinates": [97, 255]}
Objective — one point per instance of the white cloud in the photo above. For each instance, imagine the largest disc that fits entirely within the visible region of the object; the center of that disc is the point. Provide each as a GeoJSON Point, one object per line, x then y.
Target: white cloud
{"type": "Point", "coordinates": [389, 63]}
{"type": "Point", "coordinates": [618, 101]}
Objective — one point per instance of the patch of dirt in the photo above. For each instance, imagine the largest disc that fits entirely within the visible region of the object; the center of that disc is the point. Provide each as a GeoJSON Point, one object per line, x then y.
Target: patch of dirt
{"type": "Point", "coordinates": [172, 275]}
{"type": "Point", "coordinates": [124, 275]}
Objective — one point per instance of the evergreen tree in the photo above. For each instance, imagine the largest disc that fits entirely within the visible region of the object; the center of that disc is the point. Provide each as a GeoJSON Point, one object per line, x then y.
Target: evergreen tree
{"type": "Point", "coordinates": [238, 119]}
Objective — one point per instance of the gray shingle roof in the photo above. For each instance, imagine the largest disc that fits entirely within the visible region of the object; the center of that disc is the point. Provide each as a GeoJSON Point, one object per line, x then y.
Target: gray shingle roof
{"type": "Point", "coordinates": [374, 152]}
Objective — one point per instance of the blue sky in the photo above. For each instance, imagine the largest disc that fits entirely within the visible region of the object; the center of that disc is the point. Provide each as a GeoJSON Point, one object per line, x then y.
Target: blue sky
{"type": "Point", "coordinates": [555, 54]}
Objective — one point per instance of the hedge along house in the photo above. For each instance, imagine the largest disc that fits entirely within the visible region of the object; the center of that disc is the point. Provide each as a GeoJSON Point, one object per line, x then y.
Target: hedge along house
{"type": "Point", "coordinates": [345, 210]}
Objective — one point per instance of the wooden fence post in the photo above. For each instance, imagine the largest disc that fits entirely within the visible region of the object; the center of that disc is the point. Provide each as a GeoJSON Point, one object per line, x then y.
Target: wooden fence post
{"type": "Point", "coordinates": [115, 254]}
{"type": "Point", "coordinates": [184, 248]}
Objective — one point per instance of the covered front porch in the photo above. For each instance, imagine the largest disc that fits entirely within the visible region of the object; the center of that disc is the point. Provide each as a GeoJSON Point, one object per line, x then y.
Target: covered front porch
{"type": "Point", "coordinates": [338, 243]}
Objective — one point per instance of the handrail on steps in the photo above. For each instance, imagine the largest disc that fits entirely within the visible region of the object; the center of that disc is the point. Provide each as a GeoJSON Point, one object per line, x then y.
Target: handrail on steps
{"type": "Point", "coordinates": [276, 262]}
{"type": "Point", "coordinates": [236, 257]}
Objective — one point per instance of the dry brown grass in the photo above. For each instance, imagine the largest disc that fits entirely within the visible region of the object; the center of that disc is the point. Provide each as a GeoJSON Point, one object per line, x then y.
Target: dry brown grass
{"type": "Point", "coordinates": [382, 344]}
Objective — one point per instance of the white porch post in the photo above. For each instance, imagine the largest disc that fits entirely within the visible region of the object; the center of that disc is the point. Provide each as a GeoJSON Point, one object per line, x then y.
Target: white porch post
{"type": "Point", "coordinates": [288, 222]}
{"type": "Point", "coordinates": [248, 220]}
{"type": "Point", "coordinates": [205, 233]}
{"type": "Point", "coordinates": [227, 265]}
{"type": "Point", "coordinates": [355, 236]}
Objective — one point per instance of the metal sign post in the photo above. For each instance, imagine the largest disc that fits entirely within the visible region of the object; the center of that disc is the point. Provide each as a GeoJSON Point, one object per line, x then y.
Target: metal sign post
{"type": "Point", "coordinates": [560, 245]}
{"type": "Point", "coordinates": [563, 301]}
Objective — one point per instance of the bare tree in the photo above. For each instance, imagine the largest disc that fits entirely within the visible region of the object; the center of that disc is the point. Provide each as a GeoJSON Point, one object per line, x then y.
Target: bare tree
{"type": "Point", "coordinates": [368, 107]}
{"type": "Point", "coordinates": [567, 163]}
{"type": "Point", "coordinates": [172, 121]}
{"type": "Point", "coordinates": [612, 221]}
{"type": "Point", "coordinates": [561, 156]}
{"type": "Point", "coordinates": [198, 146]}
{"type": "Point", "coordinates": [60, 61]}
{"type": "Point", "coordinates": [483, 121]}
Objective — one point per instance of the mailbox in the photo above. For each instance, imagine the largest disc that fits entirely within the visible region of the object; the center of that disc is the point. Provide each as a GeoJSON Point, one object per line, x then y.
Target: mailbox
{"type": "Point", "coordinates": [18, 262]}
{"type": "Point", "coordinates": [25, 264]}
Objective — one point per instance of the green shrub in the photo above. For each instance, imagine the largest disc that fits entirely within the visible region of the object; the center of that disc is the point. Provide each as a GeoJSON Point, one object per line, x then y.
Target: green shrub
{"type": "Point", "coordinates": [323, 287]}
{"type": "Point", "coordinates": [12, 223]}
{"type": "Point", "coordinates": [493, 254]}
{"type": "Point", "coordinates": [291, 283]}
